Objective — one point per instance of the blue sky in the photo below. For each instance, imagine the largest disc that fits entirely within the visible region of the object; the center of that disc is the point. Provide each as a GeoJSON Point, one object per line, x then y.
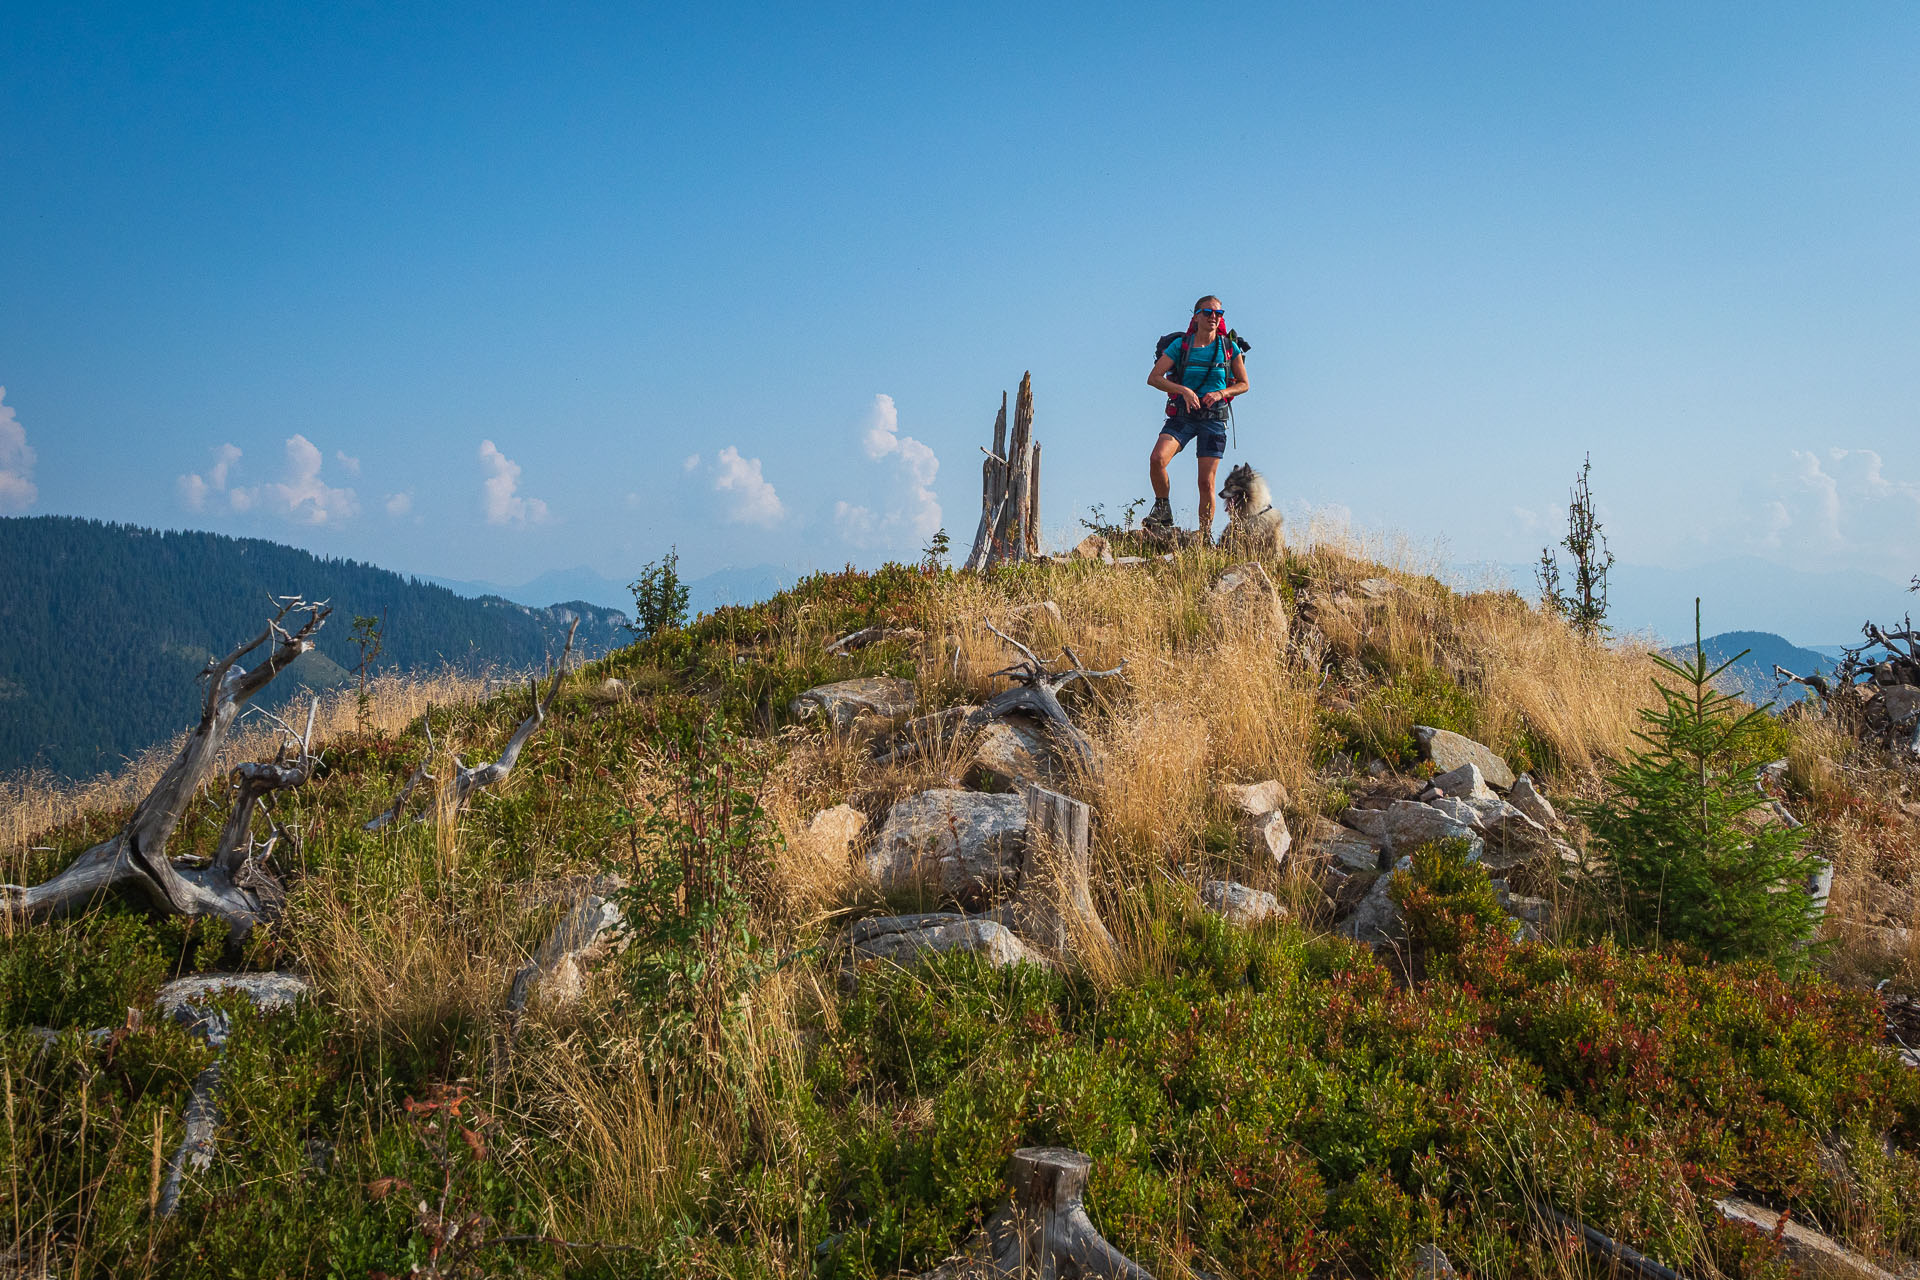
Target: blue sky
{"type": "Point", "coordinates": [484, 291]}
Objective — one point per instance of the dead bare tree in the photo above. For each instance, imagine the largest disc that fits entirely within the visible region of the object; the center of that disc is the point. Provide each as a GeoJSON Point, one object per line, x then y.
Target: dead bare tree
{"type": "Point", "coordinates": [469, 779]}
{"type": "Point", "coordinates": [1873, 696]}
{"type": "Point", "coordinates": [1009, 529]}
{"type": "Point", "coordinates": [236, 885]}
{"type": "Point", "coordinates": [1036, 692]}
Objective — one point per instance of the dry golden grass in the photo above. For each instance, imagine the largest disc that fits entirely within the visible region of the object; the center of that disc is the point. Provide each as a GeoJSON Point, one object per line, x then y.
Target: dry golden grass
{"type": "Point", "coordinates": [32, 804]}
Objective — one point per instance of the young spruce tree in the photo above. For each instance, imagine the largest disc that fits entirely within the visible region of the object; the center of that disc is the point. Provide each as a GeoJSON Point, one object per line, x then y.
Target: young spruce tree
{"type": "Point", "coordinates": [1687, 858]}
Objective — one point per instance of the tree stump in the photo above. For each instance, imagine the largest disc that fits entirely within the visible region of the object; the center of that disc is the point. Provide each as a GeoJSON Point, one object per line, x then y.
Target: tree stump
{"type": "Point", "coordinates": [1043, 1232]}
{"type": "Point", "coordinates": [1054, 905]}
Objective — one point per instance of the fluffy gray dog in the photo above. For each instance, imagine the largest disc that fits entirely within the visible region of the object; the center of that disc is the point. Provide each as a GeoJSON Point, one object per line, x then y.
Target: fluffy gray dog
{"type": "Point", "coordinates": [1252, 521]}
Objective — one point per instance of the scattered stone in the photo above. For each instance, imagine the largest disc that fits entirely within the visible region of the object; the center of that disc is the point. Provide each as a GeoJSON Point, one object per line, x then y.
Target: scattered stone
{"type": "Point", "coordinates": [1410, 824]}
{"type": "Point", "coordinates": [1009, 752]}
{"type": "Point", "coordinates": [1253, 799]}
{"type": "Point", "coordinates": [845, 701]}
{"type": "Point", "coordinates": [1901, 702]}
{"type": "Point", "coordinates": [1377, 918]}
{"type": "Point", "coordinates": [1378, 768]}
{"type": "Point", "coordinates": [1240, 904]}
{"type": "Point", "coordinates": [1809, 1251]}
{"type": "Point", "coordinates": [1429, 1263]}
{"type": "Point", "coordinates": [1129, 560]}
{"type": "Point", "coordinates": [1243, 597]}
{"type": "Point", "coordinates": [1464, 783]}
{"type": "Point", "coordinates": [966, 843]}
{"type": "Point", "coordinates": [1094, 547]}
{"type": "Point", "coordinates": [1268, 835]}
{"type": "Point", "coordinates": [831, 834]}
{"type": "Point", "coordinates": [1526, 797]}
{"type": "Point", "coordinates": [1376, 588]}
{"type": "Point", "coordinates": [906, 940]}
{"type": "Point", "coordinates": [1338, 844]}
{"type": "Point", "coordinates": [613, 687]}
{"type": "Point", "coordinates": [1449, 750]}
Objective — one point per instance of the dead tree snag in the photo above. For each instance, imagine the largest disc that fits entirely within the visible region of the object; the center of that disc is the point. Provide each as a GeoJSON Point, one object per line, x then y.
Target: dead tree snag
{"type": "Point", "coordinates": [236, 885]}
{"type": "Point", "coordinates": [1009, 529]}
{"type": "Point", "coordinates": [469, 779]}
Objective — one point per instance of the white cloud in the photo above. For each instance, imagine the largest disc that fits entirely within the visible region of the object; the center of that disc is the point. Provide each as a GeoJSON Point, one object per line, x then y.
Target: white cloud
{"type": "Point", "coordinates": [753, 498]}
{"type": "Point", "coordinates": [504, 504]}
{"type": "Point", "coordinates": [302, 496]}
{"type": "Point", "coordinates": [17, 490]}
{"type": "Point", "coordinates": [692, 460]}
{"type": "Point", "coordinates": [399, 504]}
{"type": "Point", "coordinates": [906, 503]}
{"type": "Point", "coordinates": [1838, 508]}
{"type": "Point", "coordinates": [350, 463]}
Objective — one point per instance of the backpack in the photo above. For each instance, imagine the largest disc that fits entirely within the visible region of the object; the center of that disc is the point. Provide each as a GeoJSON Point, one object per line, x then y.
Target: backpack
{"type": "Point", "coordinates": [1179, 371]}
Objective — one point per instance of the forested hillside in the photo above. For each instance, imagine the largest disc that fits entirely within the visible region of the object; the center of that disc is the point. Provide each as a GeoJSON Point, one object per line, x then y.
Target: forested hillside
{"type": "Point", "coordinates": [104, 626]}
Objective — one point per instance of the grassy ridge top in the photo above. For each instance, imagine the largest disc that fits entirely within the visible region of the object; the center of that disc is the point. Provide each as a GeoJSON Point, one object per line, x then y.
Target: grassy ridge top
{"type": "Point", "coordinates": [1267, 1102]}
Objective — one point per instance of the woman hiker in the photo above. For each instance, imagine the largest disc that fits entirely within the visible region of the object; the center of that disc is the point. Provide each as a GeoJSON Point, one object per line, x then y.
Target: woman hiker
{"type": "Point", "coordinates": [1200, 371]}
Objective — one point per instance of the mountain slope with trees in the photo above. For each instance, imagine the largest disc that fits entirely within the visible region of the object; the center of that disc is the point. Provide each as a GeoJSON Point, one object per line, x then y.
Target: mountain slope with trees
{"type": "Point", "coordinates": [103, 627]}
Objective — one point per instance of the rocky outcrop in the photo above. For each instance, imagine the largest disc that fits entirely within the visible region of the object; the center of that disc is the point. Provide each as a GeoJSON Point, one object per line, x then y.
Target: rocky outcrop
{"type": "Point", "coordinates": [1525, 796]}
{"type": "Point", "coordinates": [842, 703]}
{"type": "Point", "coordinates": [1449, 750]}
{"type": "Point", "coordinates": [1377, 918]}
{"type": "Point", "coordinates": [963, 843]}
{"type": "Point", "coordinates": [1410, 824]}
{"type": "Point", "coordinates": [907, 940]}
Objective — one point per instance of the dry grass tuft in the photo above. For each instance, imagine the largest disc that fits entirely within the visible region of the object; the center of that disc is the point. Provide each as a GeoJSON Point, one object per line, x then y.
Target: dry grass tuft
{"type": "Point", "coordinates": [35, 803]}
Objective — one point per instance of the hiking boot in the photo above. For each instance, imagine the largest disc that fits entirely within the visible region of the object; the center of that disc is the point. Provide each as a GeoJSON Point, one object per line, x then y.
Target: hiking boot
{"type": "Point", "coordinates": [1161, 517]}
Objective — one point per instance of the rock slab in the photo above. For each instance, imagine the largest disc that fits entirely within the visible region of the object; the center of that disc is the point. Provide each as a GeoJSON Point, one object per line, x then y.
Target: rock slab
{"type": "Point", "coordinates": [845, 701]}
{"type": "Point", "coordinates": [966, 843]}
{"type": "Point", "coordinates": [1449, 750]}
{"type": "Point", "coordinates": [907, 940]}
{"type": "Point", "coordinates": [1240, 904]}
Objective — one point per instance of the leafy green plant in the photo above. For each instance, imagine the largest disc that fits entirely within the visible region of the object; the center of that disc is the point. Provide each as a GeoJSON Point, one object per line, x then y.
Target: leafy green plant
{"type": "Point", "coordinates": [369, 637]}
{"type": "Point", "coordinates": [699, 865]}
{"type": "Point", "coordinates": [933, 556]}
{"type": "Point", "coordinates": [1688, 856]}
{"type": "Point", "coordinates": [659, 597]}
{"type": "Point", "coordinates": [1448, 899]}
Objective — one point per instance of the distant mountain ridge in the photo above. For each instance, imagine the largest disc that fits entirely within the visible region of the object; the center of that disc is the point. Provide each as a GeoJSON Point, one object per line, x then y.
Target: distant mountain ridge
{"type": "Point", "coordinates": [103, 628]}
{"type": "Point", "coordinates": [1752, 676]}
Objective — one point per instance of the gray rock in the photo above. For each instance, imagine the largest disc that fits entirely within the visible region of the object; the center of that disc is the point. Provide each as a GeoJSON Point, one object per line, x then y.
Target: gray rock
{"type": "Point", "coordinates": [1240, 904]}
{"type": "Point", "coordinates": [1094, 547]}
{"type": "Point", "coordinates": [831, 834]}
{"type": "Point", "coordinates": [1009, 752]}
{"type": "Point", "coordinates": [1243, 597]}
{"type": "Point", "coordinates": [1344, 847]}
{"type": "Point", "coordinates": [1371, 822]}
{"type": "Point", "coordinates": [1526, 797]}
{"type": "Point", "coordinates": [1376, 588]}
{"type": "Point", "coordinates": [1253, 799]}
{"type": "Point", "coordinates": [1464, 783]}
{"type": "Point", "coordinates": [1901, 701]}
{"type": "Point", "coordinates": [1410, 824]}
{"type": "Point", "coordinates": [1429, 1263]}
{"type": "Point", "coordinates": [1377, 918]}
{"type": "Point", "coordinates": [186, 1000]}
{"type": "Point", "coordinates": [906, 940]}
{"type": "Point", "coordinates": [1809, 1252]}
{"type": "Point", "coordinates": [1268, 836]}
{"type": "Point", "coordinates": [845, 701]}
{"type": "Point", "coordinates": [966, 843]}
{"type": "Point", "coordinates": [1449, 750]}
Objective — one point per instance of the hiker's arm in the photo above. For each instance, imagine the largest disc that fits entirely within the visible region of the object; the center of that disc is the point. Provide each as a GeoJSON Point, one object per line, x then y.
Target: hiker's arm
{"type": "Point", "coordinates": [1159, 381]}
{"type": "Point", "coordinates": [1238, 387]}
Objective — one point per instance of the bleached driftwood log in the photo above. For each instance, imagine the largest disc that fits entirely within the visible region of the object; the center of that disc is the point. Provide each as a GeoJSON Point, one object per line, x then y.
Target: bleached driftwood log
{"type": "Point", "coordinates": [236, 885]}
{"type": "Point", "coordinates": [1009, 529]}
{"type": "Point", "coordinates": [1043, 1232]}
{"type": "Point", "coordinates": [469, 779]}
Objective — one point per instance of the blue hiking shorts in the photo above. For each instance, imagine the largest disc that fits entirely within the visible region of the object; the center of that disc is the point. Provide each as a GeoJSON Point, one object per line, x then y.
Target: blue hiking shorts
{"type": "Point", "coordinates": [1211, 434]}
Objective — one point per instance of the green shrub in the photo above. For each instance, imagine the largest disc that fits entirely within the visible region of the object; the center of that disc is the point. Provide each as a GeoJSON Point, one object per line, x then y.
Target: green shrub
{"type": "Point", "coordinates": [659, 597]}
{"type": "Point", "coordinates": [1448, 899]}
{"type": "Point", "coordinates": [1688, 857]}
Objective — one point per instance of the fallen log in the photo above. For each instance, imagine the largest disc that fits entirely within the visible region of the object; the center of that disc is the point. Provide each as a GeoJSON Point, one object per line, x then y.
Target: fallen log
{"type": "Point", "coordinates": [236, 885]}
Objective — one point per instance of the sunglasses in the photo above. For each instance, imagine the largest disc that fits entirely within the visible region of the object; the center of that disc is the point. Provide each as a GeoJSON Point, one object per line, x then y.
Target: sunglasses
{"type": "Point", "coordinates": [1204, 311]}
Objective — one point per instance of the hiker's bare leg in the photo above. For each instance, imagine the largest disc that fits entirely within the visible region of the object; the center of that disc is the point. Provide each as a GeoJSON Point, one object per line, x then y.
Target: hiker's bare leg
{"type": "Point", "coordinates": [1163, 451]}
{"type": "Point", "coordinates": [1207, 467]}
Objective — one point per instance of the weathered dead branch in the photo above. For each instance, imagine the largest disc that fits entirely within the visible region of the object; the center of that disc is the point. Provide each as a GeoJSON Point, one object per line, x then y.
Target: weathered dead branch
{"type": "Point", "coordinates": [236, 885]}
{"type": "Point", "coordinates": [1036, 692]}
{"type": "Point", "coordinates": [469, 779]}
